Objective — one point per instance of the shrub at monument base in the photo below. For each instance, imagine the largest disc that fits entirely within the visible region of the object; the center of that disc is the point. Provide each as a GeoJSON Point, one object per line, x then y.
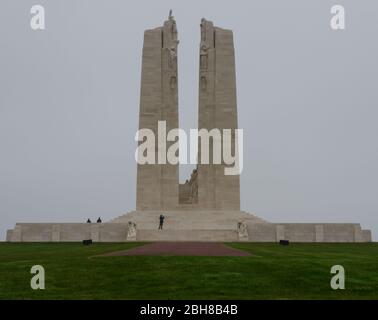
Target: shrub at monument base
{"type": "Point", "coordinates": [297, 271]}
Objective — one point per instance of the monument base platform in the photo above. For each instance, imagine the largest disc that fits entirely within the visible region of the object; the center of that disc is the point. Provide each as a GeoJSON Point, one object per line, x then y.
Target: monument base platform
{"type": "Point", "coordinates": [181, 225]}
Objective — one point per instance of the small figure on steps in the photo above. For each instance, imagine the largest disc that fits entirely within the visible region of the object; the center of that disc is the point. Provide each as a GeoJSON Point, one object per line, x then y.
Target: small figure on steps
{"type": "Point", "coordinates": [161, 218]}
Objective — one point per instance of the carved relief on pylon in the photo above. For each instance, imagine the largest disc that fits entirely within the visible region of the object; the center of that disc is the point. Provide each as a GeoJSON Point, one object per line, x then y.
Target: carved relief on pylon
{"type": "Point", "coordinates": [203, 83]}
{"type": "Point", "coordinates": [173, 82]}
{"type": "Point", "coordinates": [172, 58]}
{"type": "Point", "coordinates": [203, 57]}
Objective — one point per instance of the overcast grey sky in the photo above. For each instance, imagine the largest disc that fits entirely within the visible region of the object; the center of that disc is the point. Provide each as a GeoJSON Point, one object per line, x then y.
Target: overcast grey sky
{"type": "Point", "coordinates": [307, 101]}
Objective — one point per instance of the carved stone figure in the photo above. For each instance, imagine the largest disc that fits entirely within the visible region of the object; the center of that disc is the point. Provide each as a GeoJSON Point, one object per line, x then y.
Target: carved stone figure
{"type": "Point", "coordinates": [242, 231]}
{"type": "Point", "coordinates": [203, 83]}
{"type": "Point", "coordinates": [203, 57]}
{"type": "Point", "coordinates": [193, 186]}
{"type": "Point", "coordinates": [203, 31]}
{"type": "Point", "coordinates": [131, 231]}
{"type": "Point", "coordinates": [173, 83]}
{"type": "Point", "coordinates": [172, 57]}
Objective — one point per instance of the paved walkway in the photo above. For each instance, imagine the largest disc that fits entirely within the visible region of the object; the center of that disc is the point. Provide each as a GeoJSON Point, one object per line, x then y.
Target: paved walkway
{"type": "Point", "coordinates": [181, 249]}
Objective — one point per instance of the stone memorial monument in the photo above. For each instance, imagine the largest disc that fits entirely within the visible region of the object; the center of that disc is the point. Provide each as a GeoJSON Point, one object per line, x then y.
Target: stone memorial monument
{"type": "Point", "coordinates": [207, 206]}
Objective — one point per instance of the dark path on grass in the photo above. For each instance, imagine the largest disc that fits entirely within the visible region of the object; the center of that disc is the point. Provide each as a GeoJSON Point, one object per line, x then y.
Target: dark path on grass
{"type": "Point", "coordinates": [181, 249]}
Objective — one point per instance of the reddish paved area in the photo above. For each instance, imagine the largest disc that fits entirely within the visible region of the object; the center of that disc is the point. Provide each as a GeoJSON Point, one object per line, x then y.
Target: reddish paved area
{"type": "Point", "coordinates": [181, 249]}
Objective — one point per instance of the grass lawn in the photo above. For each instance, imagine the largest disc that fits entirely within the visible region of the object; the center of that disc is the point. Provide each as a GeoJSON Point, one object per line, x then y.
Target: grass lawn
{"type": "Point", "coordinates": [297, 271]}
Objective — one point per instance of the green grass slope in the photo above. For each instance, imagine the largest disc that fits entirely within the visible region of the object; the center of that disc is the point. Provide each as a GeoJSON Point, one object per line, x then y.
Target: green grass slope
{"type": "Point", "coordinates": [297, 271]}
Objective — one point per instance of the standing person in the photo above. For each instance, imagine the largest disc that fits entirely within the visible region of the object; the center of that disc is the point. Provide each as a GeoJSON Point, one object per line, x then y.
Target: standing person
{"type": "Point", "coordinates": [161, 218]}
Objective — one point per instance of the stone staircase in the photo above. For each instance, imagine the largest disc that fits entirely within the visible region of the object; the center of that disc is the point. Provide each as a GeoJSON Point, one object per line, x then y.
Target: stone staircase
{"type": "Point", "coordinates": [182, 225]}
{"type": "Point", "coordinates": [201, 219]}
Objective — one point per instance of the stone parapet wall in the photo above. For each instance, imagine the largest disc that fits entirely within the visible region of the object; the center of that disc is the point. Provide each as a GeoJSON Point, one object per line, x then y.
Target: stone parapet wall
{"type": "Point", "coordinates": [308, 232]}
{"type": "Point", "coordinates": [68, 232]}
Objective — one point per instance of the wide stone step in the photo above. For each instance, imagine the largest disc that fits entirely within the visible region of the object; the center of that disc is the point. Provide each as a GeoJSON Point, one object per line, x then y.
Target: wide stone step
{"type": "Point", "coordinates": [190, 225]}
{"type": "Point", "coordinates": [187, 235]}
{"type": "Point", "coordinates": [187, 225]}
